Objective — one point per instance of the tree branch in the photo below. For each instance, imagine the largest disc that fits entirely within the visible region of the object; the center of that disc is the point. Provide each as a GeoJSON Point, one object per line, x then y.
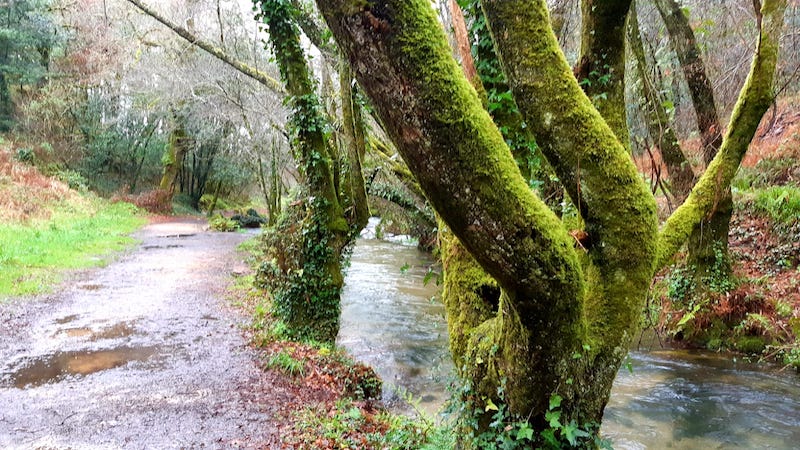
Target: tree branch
{"type": "Point", "coordinates": [269, 82]}
{"type": "Point", "coordinates": [754, 100]}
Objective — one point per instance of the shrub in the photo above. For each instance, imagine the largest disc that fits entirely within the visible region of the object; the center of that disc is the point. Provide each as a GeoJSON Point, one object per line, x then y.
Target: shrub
{"type": "Point", "coordinates": [251, 219]}
{"type": "Point", "coordinates": [25, 155]}
{"type": "Point", "coordinates": [220, 223]}
{"type": "Point", "coordinates": [156, 201]}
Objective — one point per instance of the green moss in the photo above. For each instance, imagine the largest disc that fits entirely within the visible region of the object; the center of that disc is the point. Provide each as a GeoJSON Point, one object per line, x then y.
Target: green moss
{"type": "Point", "coordinates": [753, 345]}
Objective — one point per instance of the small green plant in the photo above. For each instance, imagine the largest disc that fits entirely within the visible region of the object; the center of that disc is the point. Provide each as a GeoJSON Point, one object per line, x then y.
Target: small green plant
{"type": "Point", "coordinates": [74, 180]}
{"type": "Point", "coordinates": [783, 309]}
{"type": "Point", "coordinates": [220, 223]}
{"type": "Point", "coordinates": [680, 284]}
{"type": "Point", "coordinates": [791, 356]}
{"type": "Point", "coordinates": [348, 425]}
{"type": "Point", "coordinates": [509, 431]}
{"type": "Point", "coordinates": [286, 363]}
{"type": "Point", "coordinates": [25, 155]}
{"type": "Point", "coordinates": [754, 325]}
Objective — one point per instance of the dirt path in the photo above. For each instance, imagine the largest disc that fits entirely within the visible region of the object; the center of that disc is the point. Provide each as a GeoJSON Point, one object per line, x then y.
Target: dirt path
{"type": "Point", "coordinates": [140, 354]}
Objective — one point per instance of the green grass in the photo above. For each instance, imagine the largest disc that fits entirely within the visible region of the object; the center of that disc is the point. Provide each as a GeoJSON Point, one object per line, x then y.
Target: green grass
{"type": "Point", "coordinates": [33, 257]}
{"type": "Point", "coordinates": [780, 203]}
{"type": "Point", "coordinates": [286, 363]}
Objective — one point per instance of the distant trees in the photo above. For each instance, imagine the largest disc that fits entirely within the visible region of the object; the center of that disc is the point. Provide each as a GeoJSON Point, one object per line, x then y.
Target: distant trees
{"type": "Point", "coordinates": [28, 39]}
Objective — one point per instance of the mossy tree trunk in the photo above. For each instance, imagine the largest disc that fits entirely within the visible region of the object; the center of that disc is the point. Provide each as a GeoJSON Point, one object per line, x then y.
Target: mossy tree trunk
{"type": "Point", "coordinates": [356, 144]}
{"type": "Point", "coordinates": [564, 315]}
{"type": "Point", "coordinates": [684, 43]}
{"type": "Point", "coordinates": [176, 149]}
{"type": "Point", "coordinates": [6, 105]}
{"type": "Point", "coordinates": [309, 301]}
{"type": "Point", "coordinates": [601, 65]}
{"type": "Point", "coordinates": [708, 244]}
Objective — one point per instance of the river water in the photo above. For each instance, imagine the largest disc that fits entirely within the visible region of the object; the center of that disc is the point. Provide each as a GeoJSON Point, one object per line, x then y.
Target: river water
{"type": "Point", "coordinates": [394, 322]}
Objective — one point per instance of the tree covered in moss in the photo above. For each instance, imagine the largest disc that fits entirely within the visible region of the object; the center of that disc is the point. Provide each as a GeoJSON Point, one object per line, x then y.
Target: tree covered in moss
{"type": "Point", "coordinates": [303, 267]}
{"type": "Point", "coordinates": [552, 329]}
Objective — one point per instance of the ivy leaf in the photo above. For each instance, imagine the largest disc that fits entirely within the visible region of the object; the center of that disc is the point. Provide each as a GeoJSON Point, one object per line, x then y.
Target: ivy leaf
{"type": "Point", "coordinates": [555, 401]}
{"type": "Point", "coordinates": [553, 419]}
{"type": "Point", "coordinates": [549, 437]}
{"type": "Point", "coordinates": [525, 432]}
{"type": "Point", "coordinates": [572, 433]}
{"type": "Point", "coordinates": [490, 406]}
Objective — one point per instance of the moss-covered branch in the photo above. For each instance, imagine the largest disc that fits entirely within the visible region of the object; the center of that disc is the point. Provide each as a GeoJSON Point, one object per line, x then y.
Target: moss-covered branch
{"type": "Point", "coordinates": [266, 80]}
{"type": "Point", "coordinates": [601, 66]}
{"type": "Point", "coordinates": [754, 100]}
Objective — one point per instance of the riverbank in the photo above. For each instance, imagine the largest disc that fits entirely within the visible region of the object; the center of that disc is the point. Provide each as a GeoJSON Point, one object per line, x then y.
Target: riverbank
{"type": "Point", "coordinates": [326, 399]}
{"type": "Point", "coordinates": [754, 311]}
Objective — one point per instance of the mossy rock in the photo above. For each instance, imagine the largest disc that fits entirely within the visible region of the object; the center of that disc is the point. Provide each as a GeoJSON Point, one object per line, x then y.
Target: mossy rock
{"type": "Point", "coordinates": [750, 344]}
{"type": "Point", "coordinates": [252, 219]}
{"type": "Point", "coordinates": [715, 344]}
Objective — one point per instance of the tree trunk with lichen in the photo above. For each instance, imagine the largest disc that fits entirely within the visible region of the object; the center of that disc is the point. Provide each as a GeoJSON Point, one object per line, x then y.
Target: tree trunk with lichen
{"type": "Point", "coordinates": [601, 65]}
{"type": "Point", "coordinates": [564, 313]}
{"type": "Point", "coordinates": [356, 145]}
{"type": "Point", "coordinates": [308, 298]}
{"type": "Point", "coordinates": [684, 43]}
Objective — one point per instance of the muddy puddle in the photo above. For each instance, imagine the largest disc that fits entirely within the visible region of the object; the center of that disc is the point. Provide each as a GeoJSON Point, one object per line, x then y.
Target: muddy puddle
{"type": "Point", "coordinates": [61, 365]}
{"type": "Point", "coordinates": [119, 330]}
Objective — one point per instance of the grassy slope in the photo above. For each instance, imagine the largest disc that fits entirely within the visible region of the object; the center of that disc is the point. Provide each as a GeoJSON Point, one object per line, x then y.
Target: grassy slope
{"type": "Point", "coordinates": [46, 228]}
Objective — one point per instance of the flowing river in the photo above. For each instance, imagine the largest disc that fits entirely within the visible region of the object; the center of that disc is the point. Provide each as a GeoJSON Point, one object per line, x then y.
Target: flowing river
{"type": "Point", "coordinates": [394, 322]}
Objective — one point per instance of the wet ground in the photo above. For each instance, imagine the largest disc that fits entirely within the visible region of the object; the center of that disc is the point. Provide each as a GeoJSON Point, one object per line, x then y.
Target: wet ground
{"type": "Point", "coordinates": [143, 353]}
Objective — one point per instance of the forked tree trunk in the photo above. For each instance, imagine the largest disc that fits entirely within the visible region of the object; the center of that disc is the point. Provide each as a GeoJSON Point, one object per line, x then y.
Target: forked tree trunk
{"type": "Point", "coordinates": [708, 244]}
{"type": "Point", "coordinates": [565, 315]}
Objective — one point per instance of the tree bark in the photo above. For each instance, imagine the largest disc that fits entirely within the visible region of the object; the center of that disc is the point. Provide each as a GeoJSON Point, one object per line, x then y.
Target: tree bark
{"type": "Point", "coordinates": [355, 146]}
{"type": "Point", "coordinates": [684, 43]}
